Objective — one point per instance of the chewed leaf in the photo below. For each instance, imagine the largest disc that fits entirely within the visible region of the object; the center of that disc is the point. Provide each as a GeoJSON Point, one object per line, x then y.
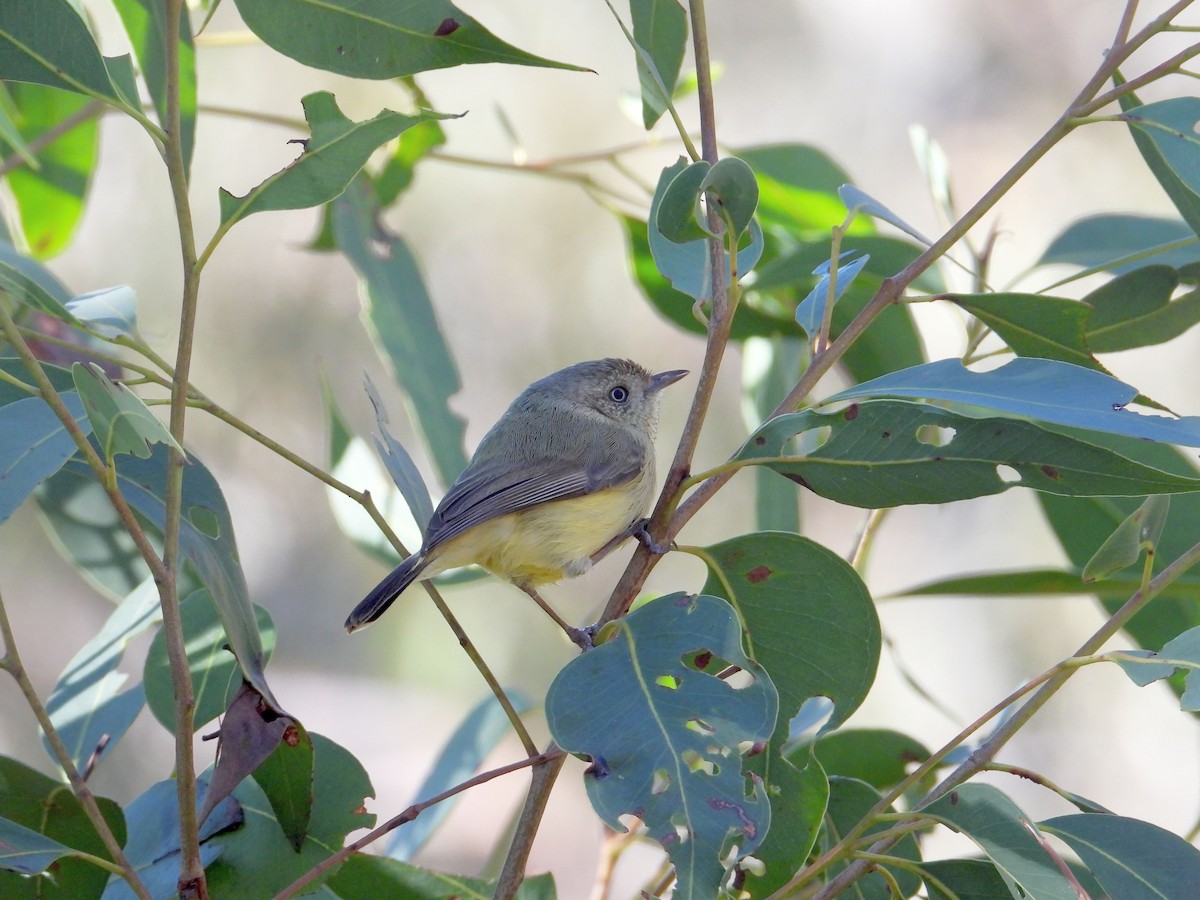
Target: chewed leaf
{"type": "Point", "coordinates": [120, 420]}
{"type": "Point", "coordinates": [811, 311]}
{"type": "Point", "coordinates": [1182, 652]}
{"type": "Point", "coordinates": [1038, 388]}
{"type": "Point", "coordinates": [666, 736]}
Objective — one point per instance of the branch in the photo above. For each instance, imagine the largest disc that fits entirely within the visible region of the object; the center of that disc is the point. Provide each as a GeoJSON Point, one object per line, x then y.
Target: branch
{"type": "Point", "coordinates": [11, 661]}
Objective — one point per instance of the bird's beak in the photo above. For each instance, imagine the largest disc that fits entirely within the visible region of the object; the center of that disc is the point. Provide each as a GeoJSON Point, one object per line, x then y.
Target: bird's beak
{"type": "Point", "coordinates": [662, 379]}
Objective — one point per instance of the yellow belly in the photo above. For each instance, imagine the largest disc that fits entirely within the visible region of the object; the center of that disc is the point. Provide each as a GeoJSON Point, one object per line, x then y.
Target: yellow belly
{"type": "Point", "coordinates": [550, 541]}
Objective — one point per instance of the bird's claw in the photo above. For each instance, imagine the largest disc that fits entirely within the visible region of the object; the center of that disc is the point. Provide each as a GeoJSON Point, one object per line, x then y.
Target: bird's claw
{"type": "Point", "coordinates": [641, 531]}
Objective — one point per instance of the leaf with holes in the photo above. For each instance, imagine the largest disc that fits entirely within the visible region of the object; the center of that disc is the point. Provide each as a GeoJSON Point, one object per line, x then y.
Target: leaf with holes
{"type": "Point", "coordinates": [810, 622]}
{"type": "Point", "coordinates": [892, 453]}
{"type": "Point", "coordinates": [666, 737]}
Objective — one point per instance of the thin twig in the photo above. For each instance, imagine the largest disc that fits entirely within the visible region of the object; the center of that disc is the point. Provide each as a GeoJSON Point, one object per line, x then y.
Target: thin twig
{"type": "Point", "coordinates": [11, 662]}
{"type": "Point", "coordinates": [192, 883]}
{"type": "Point", "coordinates": [537, 761]}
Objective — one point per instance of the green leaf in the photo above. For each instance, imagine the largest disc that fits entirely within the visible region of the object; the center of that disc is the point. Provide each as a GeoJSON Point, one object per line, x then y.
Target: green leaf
{"type": "Point", "coordinates": [1131, 859]}
{"type": "Point", "coordinates": [145, 24]}
{"type": "Point", "coordinates": [1049, 582]}
{"type": "Point", "coordinates": [87, 708]}
{"type": "Point", "coordinates": [968, 879]}
{"type": "Point", "coordinates": [214, 671]}
{"type": "Point", "coordinates": [206, 541]}
{"type": "Point", "coordinates": [400, 464]}
{"type": "Point", "coordinates": [41, 819]}
{"type": "Point", "coordinates": [798, 188]}
{"type": "Point", "coordinates": [858, 200]}
{"type": "Point", "coordinates": [1136, 310]}
{"type": "Point", "coordinates": [676, 306]}
{"type": "Point", "coordinates": [660, 30]}
{"type": "Point", "coordinates": [1042, 389]}
{"type": "Point", "coordinates": [1120, 243]}
{"type": "Point", "coordinates": [1082, 525]}
{"type": "Point", "coordinates": [1140, 530]}
{"type": "Point", "coordinates": [731, 185]}
{"type": "Point", "coordinates": [770, 366]}
{"type": "Point", "coordinates": [34, 445]}
{"type": "Point", "coordinates": [664, 734]}
{"type": "Point", "coordinates": [25, 851]}
{"type": "Point", "coordinates": [405, 326]}
{"type": "Point", "coordinates": [380, 38]}
{"type": "Point", "coordinates": [475, 737]}
{"type": "Point", "coordinates": [1182, 652]}
{"type": "Point", "coordinates": [153, 845]}
{"type": "Point", "coordinates": [849, 802]}
{"type": "Point", "coordinates": [364, 877]}
{"type": "Point", "coordinates": [336, 152]}
{"type": "Point", "coordinates": [48, 43]}
{"type": "Point", "coordinates": [111, 311]}
{"type": "Point", "coordinates": [1171, 125]}
{"type": "Point", "coordinates": [400, 169]}
{"type": "Point", "coordinates": [877, 756]}
{"type": "Point", "coordinates": [258, 861]}
{"type": "Point", "coordinates": [893, 453]}
{"type": "Point", "coordinates": [1184, 197]}
{"type": "Point", "coordinates": [33, 292]}
{"type": "Point", "coordinates": [810, 314]}
{"type": "Point", "coordinates": [50, 193]}
{"type": "Point", "coordinates": [799, 797]}
{"type": "Point", "coordinates": [286, 777]}
{"type": "Point", "coordinates": [999, 827]}
{"type": "Point", "coordinates": [1035, 325]}
{"type": "Point", "coordinates": [679, 216]}
{"type": "Point", "coordinates": [121, 422]}
{"type": "Point", "coordinates": [807, 615]}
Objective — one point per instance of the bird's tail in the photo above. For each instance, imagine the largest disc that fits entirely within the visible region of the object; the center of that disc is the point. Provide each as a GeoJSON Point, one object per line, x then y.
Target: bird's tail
{"type": "Point", "coordinates": [376, 603]}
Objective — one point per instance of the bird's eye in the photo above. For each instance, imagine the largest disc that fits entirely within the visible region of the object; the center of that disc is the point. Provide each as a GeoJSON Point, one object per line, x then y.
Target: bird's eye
{"type": "Point", "coordinates": [619, 394]}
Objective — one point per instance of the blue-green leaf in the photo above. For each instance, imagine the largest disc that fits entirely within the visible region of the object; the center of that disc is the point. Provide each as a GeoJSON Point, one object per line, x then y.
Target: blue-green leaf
{"type": "Point", "coordinates": [1132, 860]}
{"type": "Point", "coordinates": [1119, 243]}
{"type": "Point", "coordinates": [49, 43]}
{"type": "Point", "coordinates": [664, 734]}
{"type": "Point", "coordinates": [34, 445]}
{"type": "Point", "coordinates": [86, 707]}
{"type": "Point", "coordinates": [660, 31]}
{"type": "Point", "coordinates": [1043, 389]}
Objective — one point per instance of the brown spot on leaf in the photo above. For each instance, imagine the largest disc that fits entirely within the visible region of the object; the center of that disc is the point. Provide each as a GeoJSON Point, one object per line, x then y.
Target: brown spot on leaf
{"type": "Point", "coordinates": [1051, 472]}
{"type": "Point", "coordinates": [851, 412]}
{"type": "Point", "coordinates": [886, 435]}
{"type": "Point", "coordinates": [291, 735]}
{"type": "Point", "coordinates": [757, 574]}
{"type": "Point", "coordinates": [759, 441]}
{"type": "Point", "coordinates": [703, 658]}
{"type": "Point", "coordinates": [448, 26]}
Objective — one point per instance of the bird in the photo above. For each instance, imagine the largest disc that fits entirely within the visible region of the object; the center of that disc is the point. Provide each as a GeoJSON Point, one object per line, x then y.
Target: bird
{"type": "Point", "coordinates": [566, 471]}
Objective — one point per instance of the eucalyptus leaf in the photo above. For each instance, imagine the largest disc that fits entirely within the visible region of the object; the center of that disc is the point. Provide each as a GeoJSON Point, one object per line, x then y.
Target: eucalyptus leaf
{"type": "Point", "coordinates": [1119, 242]}
{"type": "Point", "coordinates": [664, 735]}
{"type": "Point", "coordinates": [1185, 198]}
{"type": "Point", "coordinates": [49, 43]}
{"type": "Point", "coordinates": [1042, 389]}
{"type": "Point", "coordinates": [336, 152]}
{"type": "Point", "coordinates": [380, 38]}
{"type": "Point", "coordinates": [34, 444]}
{"type": "Point", "coordinates": [891, 453]}
{"type": "Point", "coordinates": [1141, 530]}
{"type": "Point", "coordinates": [1138, 309]}
{"type": "Point", "coordinates": [660, 30]}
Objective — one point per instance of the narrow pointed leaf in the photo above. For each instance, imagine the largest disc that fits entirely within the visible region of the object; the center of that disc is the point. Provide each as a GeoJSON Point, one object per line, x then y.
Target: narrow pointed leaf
{"type": "Point", "coordinates": [1041, 389]}
{"type": "Point", "coordinates": [990, 819]}
{"type": "Point", "coordinates": [1140, 530]}
{"type": "Point", "coordinates": [660, 30]}
{"type": "Point", "coordinates": [1131, 859]}
{"type": "Point", "coordinates": [336, 152]}
{"type": "Point", "coordinates": [857, 200]}
{"type": "Point", "coordinates": [50, 194]}
{"type": "Point", "coordinates": [34, 445]}
{"type": "Point", "coordinates": [1120, 243]}
{"type": "Point", "coordinates": [25, 851]}
{"type": "Point", "coordinates": [405, 326]}
{"type": "Point", "coordinates": [1137, 309]}
{"type": "Point", "coordinates": [811, 311]}
{"type": "Point", "coordinates": [86, 706]}
{"type": "Point", "coordinates": [892, 453]}
{"type": "Point", "coordinates": [400, 464]}
{"type": "Point", "coordinates": [1186, 199]}
{"type": "Point", "coordinates": [475, 737]}
{"type": "Point", "coordinates": [145, 23]}
{"type": "Point", "coordinates": [1036, 325]}
{"type": "Point", "coordinates": [1171, 125]}
{"type": "Point", "coordinates": [380, 38]}
{"type": "Point", "coordinates": [664, 735]}
{"type": "Point", "coordinates": [48, 43]}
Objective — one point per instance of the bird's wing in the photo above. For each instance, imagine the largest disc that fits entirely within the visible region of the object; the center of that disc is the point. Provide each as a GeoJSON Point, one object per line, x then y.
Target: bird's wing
{"type": "Point", "coordinates": [489, 490]}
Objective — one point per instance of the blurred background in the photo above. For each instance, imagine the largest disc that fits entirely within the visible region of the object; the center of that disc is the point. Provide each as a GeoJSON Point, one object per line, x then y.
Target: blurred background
{"type": "Point", "coordinates": [529, 274]}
